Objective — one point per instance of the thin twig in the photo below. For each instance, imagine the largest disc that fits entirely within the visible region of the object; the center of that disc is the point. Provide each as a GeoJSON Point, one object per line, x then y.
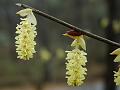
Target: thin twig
{"type": "Point", "coordinates": [89, 34]}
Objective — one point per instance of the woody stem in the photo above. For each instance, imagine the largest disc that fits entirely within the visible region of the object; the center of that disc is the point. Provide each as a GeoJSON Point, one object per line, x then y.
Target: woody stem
{"type": "Point", "coordinates": [89, 34]}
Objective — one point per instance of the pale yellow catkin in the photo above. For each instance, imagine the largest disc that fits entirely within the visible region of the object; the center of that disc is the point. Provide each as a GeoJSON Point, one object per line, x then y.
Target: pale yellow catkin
{"type": "Point", "coordinates": [26, 33]}
{"type": "Point", "coordinates": [75, 65]}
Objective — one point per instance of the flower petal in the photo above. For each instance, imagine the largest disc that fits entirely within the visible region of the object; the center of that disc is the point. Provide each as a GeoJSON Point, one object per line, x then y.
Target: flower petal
{"type": "Point", "coordinates": [31, 18]}
{"type": "Point", "coordinates": [82, 42]}
{"type": "Point", "coordinates": [116, 52]}
{"type": "Point", "coordinates": [117, 59]}
{"type": "Point", "coordinates": [24, 12]}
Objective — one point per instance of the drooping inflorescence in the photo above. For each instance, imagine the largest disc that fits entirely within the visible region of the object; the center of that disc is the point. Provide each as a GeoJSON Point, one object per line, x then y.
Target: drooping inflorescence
{"type": "Point", "coordinates": [76, 61]}
{"type": "Point", "coordinates": [26, 33]}
{"type": "Point", "coordinates": [117, 59]}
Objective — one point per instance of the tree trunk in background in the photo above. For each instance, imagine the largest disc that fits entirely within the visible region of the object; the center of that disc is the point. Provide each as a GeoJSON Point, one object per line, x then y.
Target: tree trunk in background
{"type": "Point", "coordinates": [110, 85]}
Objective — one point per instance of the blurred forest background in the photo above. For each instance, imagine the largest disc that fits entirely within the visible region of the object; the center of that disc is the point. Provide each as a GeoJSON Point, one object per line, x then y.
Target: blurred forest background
{"type": "Point", "coordinates": [46, 71]}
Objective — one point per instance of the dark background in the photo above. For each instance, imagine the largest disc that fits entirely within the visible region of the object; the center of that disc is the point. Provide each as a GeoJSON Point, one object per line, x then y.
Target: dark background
{"type": "Point", "coordinates": [46, 71]}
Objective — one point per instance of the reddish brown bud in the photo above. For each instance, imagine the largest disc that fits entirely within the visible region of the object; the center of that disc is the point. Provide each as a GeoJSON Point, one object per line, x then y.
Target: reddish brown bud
{"type": "Point", "coordinates": [74, 33]}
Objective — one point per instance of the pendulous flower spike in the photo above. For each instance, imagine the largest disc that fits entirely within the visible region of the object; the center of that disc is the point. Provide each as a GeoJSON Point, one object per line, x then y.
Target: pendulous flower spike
{"type": "Point", "coordinates": [26, 31]}
{"type": "Point", "coordinates": [76, 62]}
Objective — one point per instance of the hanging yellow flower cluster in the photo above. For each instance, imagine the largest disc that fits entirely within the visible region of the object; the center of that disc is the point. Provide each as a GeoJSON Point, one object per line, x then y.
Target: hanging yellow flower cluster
{"type": "Point", "coordinates": [117, 59]}
{"type": "Point", "coordinates": [26, 33]}
{"type": "Point", "coordinates": [76, 62]}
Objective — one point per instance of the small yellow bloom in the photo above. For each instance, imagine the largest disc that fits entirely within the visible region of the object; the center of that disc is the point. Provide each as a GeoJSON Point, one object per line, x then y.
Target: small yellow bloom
{"type": "Point", "coordinates": [117, 77]}
{"type": "Point", "coordinates": [26, 33]}
{"type": "Point", "coordinates": [75, 65]}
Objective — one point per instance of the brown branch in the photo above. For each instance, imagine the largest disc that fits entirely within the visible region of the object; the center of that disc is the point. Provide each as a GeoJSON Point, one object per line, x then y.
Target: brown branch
{"type": "Point", "coordinates": [89, 34]}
